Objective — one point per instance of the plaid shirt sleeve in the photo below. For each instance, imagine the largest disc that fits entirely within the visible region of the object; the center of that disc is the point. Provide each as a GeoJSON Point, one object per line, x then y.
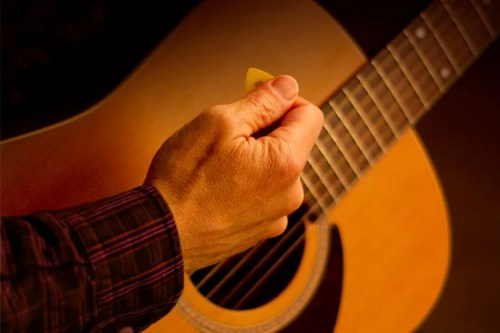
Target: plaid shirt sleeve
{"type": "Point", "coordinates": [93, 268]}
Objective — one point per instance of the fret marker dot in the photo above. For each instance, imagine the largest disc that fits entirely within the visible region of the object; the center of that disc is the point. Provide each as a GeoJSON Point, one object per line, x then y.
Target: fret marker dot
{"type": "Point", "coordinates": [445, 72]}
{"type": "Point", "coordinates": [420, 33]}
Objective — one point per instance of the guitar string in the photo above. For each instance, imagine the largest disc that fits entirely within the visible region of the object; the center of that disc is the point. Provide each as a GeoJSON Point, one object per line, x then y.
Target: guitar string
{"type": "Point", "coordinates": [446, 46]}
{"type": "Point", "coordinates": [259, 265]}
{"type": "Point", "coordinates": [269, 272]}
{"type": "Point", "coordinates": [247, 256]}
{"type": "Point", "coordinates": [369, 123]}
{"type": "Point", "coordinates": [323, 177]}
{"type": "Point", "coordinates": [421, 55]}
{"type": "Point", "coordinates": [484, 18]}
{"type": "Point", "coordinates": [453, 22]}
{"type": "Point", "coordinates": [442, 45]}
{"type": "Point", "coordinates": [274, 266]}
{"type": "Point", "coordinates": [386, 114]}
{"type": "Point", "coordinates": [461, 29]}
{"type": "Point", "coordinates": [334, 165]}
{"type": "Point", "coordinates": [350, 130]}
{"type": "Point", "coordinates": [415, 88]}
{"type": "Point", "coordinates": [314, 207]}
{"type": "Point", "coordinates": [391, 108]}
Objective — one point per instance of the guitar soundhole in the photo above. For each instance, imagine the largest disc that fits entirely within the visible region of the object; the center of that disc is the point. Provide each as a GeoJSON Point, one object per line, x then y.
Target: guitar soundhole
{"type": "Point", "coordinates": [255, 277]}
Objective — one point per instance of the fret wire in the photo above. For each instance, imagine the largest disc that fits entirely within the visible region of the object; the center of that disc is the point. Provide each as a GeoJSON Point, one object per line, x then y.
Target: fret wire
{"type": "Point", "coordinates": [483, 17]}
{"type": "Point", "coordinates": [378, 104]}
{"type": "Point", "coordinates": [358, 174]}
{"type": "Point", "coordinates": [427, 86]}
{"type": "Point", "coordinates": [315, 205]}
{"type": "Point", "coordinates": [423, 58]}
{"type": "Point", "coordinates": [354, 136]}
{"type": "Point", "coordinates": [332, 164]}
{"type": "Point", "coordinates": [320, 158]}
{"type": "Point", "coordinates": [461, 28]}
{"type": "Point", "coordinates": [325, 195]}
{"type": "Point", "coordinates": [441, 43]}
{"type": "Point", "coordinates": [314, 167]}
{"type": "Point", "coordinates": [393, 91]}
{"type": "Point", "coordinates": [310, 187]}
{"type": "Point", "coordinates": [321, 204]}
{"type": "Point", "coordinates": [342, 148]}
{"type": "Point", "coordinates": [365, 120]}
{"type": "Point", "coordinates": [451, 35]}
{"type": "Point", "coordinates": [315, 181]}
{"type": "Point", "coordinates": [406, 74]}
{"type": "Point", "coordinates": [472, 23]}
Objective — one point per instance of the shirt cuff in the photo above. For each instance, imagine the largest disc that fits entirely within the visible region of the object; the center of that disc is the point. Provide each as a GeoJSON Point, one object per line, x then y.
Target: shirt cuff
{"type": "Point", "coordinates": [134, 254]}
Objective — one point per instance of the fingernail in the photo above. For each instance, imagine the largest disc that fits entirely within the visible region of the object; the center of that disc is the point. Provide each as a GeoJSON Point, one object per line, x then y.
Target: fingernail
{"type": "Point", "coordinates": [286, 86]}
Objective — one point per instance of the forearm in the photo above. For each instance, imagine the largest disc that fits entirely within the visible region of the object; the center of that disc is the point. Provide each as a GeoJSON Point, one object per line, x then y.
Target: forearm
{"type": "Point", "coordinates": [104, 265]}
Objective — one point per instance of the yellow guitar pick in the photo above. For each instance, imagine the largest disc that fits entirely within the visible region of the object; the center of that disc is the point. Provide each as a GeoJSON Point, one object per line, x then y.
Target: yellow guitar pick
{"type": "Point", "coordinates": [254, 78]}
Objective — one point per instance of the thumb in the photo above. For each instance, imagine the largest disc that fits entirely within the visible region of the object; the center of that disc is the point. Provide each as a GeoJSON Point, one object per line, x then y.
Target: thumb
{"type": "Point", "coordinates": [265, 105]}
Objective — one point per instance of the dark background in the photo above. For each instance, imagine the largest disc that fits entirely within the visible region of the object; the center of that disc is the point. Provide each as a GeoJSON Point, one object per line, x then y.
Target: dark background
{"type": "Point", "coordinates": [61, 57]}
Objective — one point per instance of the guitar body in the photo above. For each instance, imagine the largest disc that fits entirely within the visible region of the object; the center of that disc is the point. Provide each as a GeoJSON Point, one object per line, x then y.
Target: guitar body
{"type": "Point", "coordinates": [393, 223]}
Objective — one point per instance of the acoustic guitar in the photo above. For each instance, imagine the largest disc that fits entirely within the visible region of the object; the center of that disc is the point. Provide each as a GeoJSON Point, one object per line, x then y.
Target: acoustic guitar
{"type": "Point", "coordinates": [369, 249]}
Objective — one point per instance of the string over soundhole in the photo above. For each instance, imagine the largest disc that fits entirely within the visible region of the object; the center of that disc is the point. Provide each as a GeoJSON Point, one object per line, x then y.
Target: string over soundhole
{"type": "Point", "coordinates": [257, 276]}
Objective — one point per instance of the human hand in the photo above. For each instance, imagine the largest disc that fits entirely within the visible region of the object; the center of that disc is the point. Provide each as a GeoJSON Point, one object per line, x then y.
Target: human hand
{"type": "Point", "coordinates": [229, 184]}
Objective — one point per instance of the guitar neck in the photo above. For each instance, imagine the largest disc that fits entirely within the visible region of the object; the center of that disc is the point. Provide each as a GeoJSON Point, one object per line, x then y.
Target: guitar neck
{"type": "Point", "coordinates": [393, 91]}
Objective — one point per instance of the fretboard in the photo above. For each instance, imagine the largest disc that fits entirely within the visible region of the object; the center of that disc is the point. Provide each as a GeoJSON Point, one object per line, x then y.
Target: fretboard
{"type": "Point", "coordinates": [392, 92]}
